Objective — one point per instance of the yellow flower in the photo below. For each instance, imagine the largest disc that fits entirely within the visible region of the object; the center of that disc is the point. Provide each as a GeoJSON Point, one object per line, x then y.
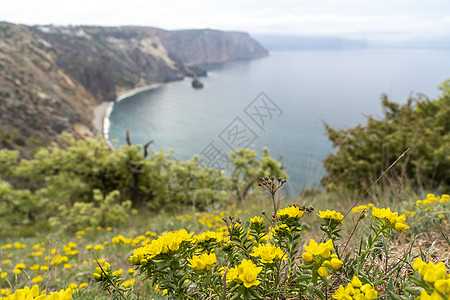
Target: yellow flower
{"type": "Point", "coordinates": [291, 212]}
{"type": "Point", "coordinates": [268, 253]}
{"type": "Point", "coordinates": [129, 283]}
{"type": "Point", "coordinates": [430, 272]}
{"type": "Point", "coordinates": [371, 294]}
{"type": "Point", "coordinates": [99, 247]}
{"type": "Point", "coordinates": [322, 271]}
{"type": "Point", "coordinates": [68, 266]}
{"type": "Point", "coordinates": [207, 237]}
{"type": "Point", "coordinates": [341, 294]}
{"type": "Point", "coordinates": [231, 275]}
{"type": "Point", "coordinates": [256, 222]}
{"type": "Point", "coordinates": [7, 246]}
{"type": "Point", "coordinates": [401, 227]}
{"type": "Point", "coordinates": [442, 285]}
{"type": "Point", "coordinates": [248, 272]}
{"type": "Point", "coordinates": [322, 249]}
{"type": "Point", "coordinates": [390, 219]}
{"type": "Point", "coordinates": [380, 213]}
{"type": "Point", "coordinates": [336, 263]}
{"type": "Point", "coordinates": [434, 296]}
{"type": "Point", "coordinates": [331, 214]}
{"type": "Point", "coordinates": [445, 198]}
{"type": "Point", "coordinates": [37, 279]}
{"type": "Point", "coordinates": [165, 243]}
{"type": "Point", "coordinates": [365, 288]}
{"type": "Point", "coordinates": [432, 198]}
{"type": "Point", "coordinates": [158, 290]}
{"type": "Point", "coordinates": [308, 257]}
{"type": "Point", "coordinates": [118, 272]}
{"type": "Point", "coordinates": [203, 261]}
{"type": "Point", "coordinates": [73, 285]}
{"type": "Point", "coordinates": [356, 282]}
{"type": "Point", "coordinates": [358, 208]}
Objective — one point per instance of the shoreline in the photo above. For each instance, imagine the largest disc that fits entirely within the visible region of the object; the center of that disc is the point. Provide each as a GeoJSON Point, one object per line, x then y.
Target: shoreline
{"type": "Point", "coordinates": [103, 111]}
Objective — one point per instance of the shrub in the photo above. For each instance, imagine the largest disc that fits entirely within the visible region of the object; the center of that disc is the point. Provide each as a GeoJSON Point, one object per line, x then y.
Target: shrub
{"type": "Point", "coordinates": [364, 152]}
{"type": "Point", "coordinates": [66, 177]}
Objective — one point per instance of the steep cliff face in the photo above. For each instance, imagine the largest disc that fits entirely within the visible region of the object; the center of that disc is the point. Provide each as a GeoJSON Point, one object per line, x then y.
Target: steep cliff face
{"type": "Point", "coordinates": [51, 78]}
{"type": "Point", "coordinates": [206, 46]}
{"type": "Point", "coordinates": [107, 61]}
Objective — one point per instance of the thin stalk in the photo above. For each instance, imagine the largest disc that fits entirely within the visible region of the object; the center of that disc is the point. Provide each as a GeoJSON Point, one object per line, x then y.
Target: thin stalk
{"type": "Point", "coordinates": [376, 181]}
{"type": "Point", "coordinates": [107, 277]}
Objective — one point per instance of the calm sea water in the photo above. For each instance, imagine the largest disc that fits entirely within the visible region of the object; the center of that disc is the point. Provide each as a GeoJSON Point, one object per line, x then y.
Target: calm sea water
{"type": "Point", "coordinates": [308, 87]}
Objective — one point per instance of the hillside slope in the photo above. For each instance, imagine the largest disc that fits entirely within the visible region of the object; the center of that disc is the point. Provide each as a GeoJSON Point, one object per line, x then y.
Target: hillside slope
{"type": "Point", "coordinates": [52, 78]}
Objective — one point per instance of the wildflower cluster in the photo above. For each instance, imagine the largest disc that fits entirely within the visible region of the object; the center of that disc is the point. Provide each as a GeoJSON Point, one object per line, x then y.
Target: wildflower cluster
{"type": "Point", "coordinates": [49, 264]}
{"type": "Point", "coordinates": [331, 221]}
{"type": "Point", "coordinates": [331, 215]}
{"type": "Point", "coordinates": [203, 261]}
{"type": "Point", "coordinates": [289, 215]}
{"type": "Point", "coordinates": [101, 273]}
{"type": "Point", "coordinates": [246, 273]}
{"type": "Point", "coordinates": [165, 244]}
{"type": "Point", "coordinates": [33, 293]}
{"type": "Point", "coordinates": [389, 219]}
{"type": "Point", "coordinates": [355, 290]}
{"type": "Point", "coordinates": [434, 279]}
{"type": "Point", "coordinates": [431, 199]}
{"type": "Point", "coordinates": [320, 259]}
{"type": "Point", "coordinates": [268, 253]}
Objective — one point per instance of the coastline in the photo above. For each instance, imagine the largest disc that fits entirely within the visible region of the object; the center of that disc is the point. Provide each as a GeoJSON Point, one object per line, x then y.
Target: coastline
{"type": "Point", "coordinates": [103, 111]}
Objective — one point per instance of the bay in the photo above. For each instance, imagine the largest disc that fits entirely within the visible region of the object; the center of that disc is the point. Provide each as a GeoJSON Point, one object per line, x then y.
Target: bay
{"type": "Point", "coordinates": [309, 87]}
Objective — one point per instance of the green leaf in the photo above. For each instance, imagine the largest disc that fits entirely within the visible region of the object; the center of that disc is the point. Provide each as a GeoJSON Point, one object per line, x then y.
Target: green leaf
{"type": "Point", "coordinates": [319, 293]}
{"type": "Point", "coordinates": [304, 277]}
{"type": "Point", "coordinates": [412, 291]}
{"type": "Point", "coordinates": [393, 295]}
{"type": "Point", "coordinates": [378, 282]}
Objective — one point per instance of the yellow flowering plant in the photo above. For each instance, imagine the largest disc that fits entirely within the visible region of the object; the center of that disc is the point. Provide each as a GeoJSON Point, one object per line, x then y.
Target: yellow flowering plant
{"type": "Point", "coordinates": [112, 281]}
{"type": "Point", "coordinates": [429, 214]}
{"type": "Point", "coordinates": [432, 279]}
{"type": "Point", "coordinates": [262, 258]}
{"type": "Point", "coordinates": [331, 223]}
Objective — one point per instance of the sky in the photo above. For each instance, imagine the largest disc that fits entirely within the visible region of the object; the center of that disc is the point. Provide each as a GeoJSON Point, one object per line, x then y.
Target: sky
{"type": "Point", "coordinates": [374, 19]}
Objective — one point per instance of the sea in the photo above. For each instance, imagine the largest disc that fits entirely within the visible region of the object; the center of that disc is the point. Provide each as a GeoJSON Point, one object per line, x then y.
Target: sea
{"type": "Point", "coordinates": [282, 102]}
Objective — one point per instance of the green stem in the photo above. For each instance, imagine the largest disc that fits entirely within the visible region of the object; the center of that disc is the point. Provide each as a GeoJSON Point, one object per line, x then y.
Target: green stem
{"type": "Point", "coordinates": [363, 257]}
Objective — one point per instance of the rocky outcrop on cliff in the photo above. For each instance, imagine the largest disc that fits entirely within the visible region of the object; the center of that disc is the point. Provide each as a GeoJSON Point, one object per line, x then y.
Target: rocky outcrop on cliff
{"type": "Point", "coordinates": [110, 60]}
{"type": "Point", "coordinates": [207, 46]}
{"type": "Point", "coordinates": [51, 77]}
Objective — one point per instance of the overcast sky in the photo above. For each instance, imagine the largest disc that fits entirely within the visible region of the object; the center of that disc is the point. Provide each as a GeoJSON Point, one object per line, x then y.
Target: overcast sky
{"type": "Point", "coordinates": [373, 19]}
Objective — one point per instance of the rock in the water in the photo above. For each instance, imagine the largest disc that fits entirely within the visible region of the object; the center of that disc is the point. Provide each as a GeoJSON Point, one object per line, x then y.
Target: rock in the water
{"type": "Point", "coordinates": [197, 84]}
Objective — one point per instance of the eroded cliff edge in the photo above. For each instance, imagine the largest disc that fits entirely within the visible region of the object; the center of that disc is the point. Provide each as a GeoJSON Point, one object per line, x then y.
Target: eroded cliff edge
{"type": "Point", "coordinates": [52, 78]}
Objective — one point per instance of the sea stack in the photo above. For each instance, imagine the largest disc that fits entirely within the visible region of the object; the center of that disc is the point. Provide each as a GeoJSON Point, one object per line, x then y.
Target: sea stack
{"type": "Point", "coordinates": [197, 84]}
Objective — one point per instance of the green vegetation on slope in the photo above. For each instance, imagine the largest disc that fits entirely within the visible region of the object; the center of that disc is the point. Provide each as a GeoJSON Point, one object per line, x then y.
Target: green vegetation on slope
{"type": "Point", "coordinates": [75, 183]}
{"type": "Point", "coordinates": [364, 152]}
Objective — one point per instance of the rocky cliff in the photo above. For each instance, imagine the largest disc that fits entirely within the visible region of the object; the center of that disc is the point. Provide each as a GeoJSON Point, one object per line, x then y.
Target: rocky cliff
{"type": "Point", "coordinates": [51, 78]}
{"type": "Point", "coordinates": [207, 46]}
